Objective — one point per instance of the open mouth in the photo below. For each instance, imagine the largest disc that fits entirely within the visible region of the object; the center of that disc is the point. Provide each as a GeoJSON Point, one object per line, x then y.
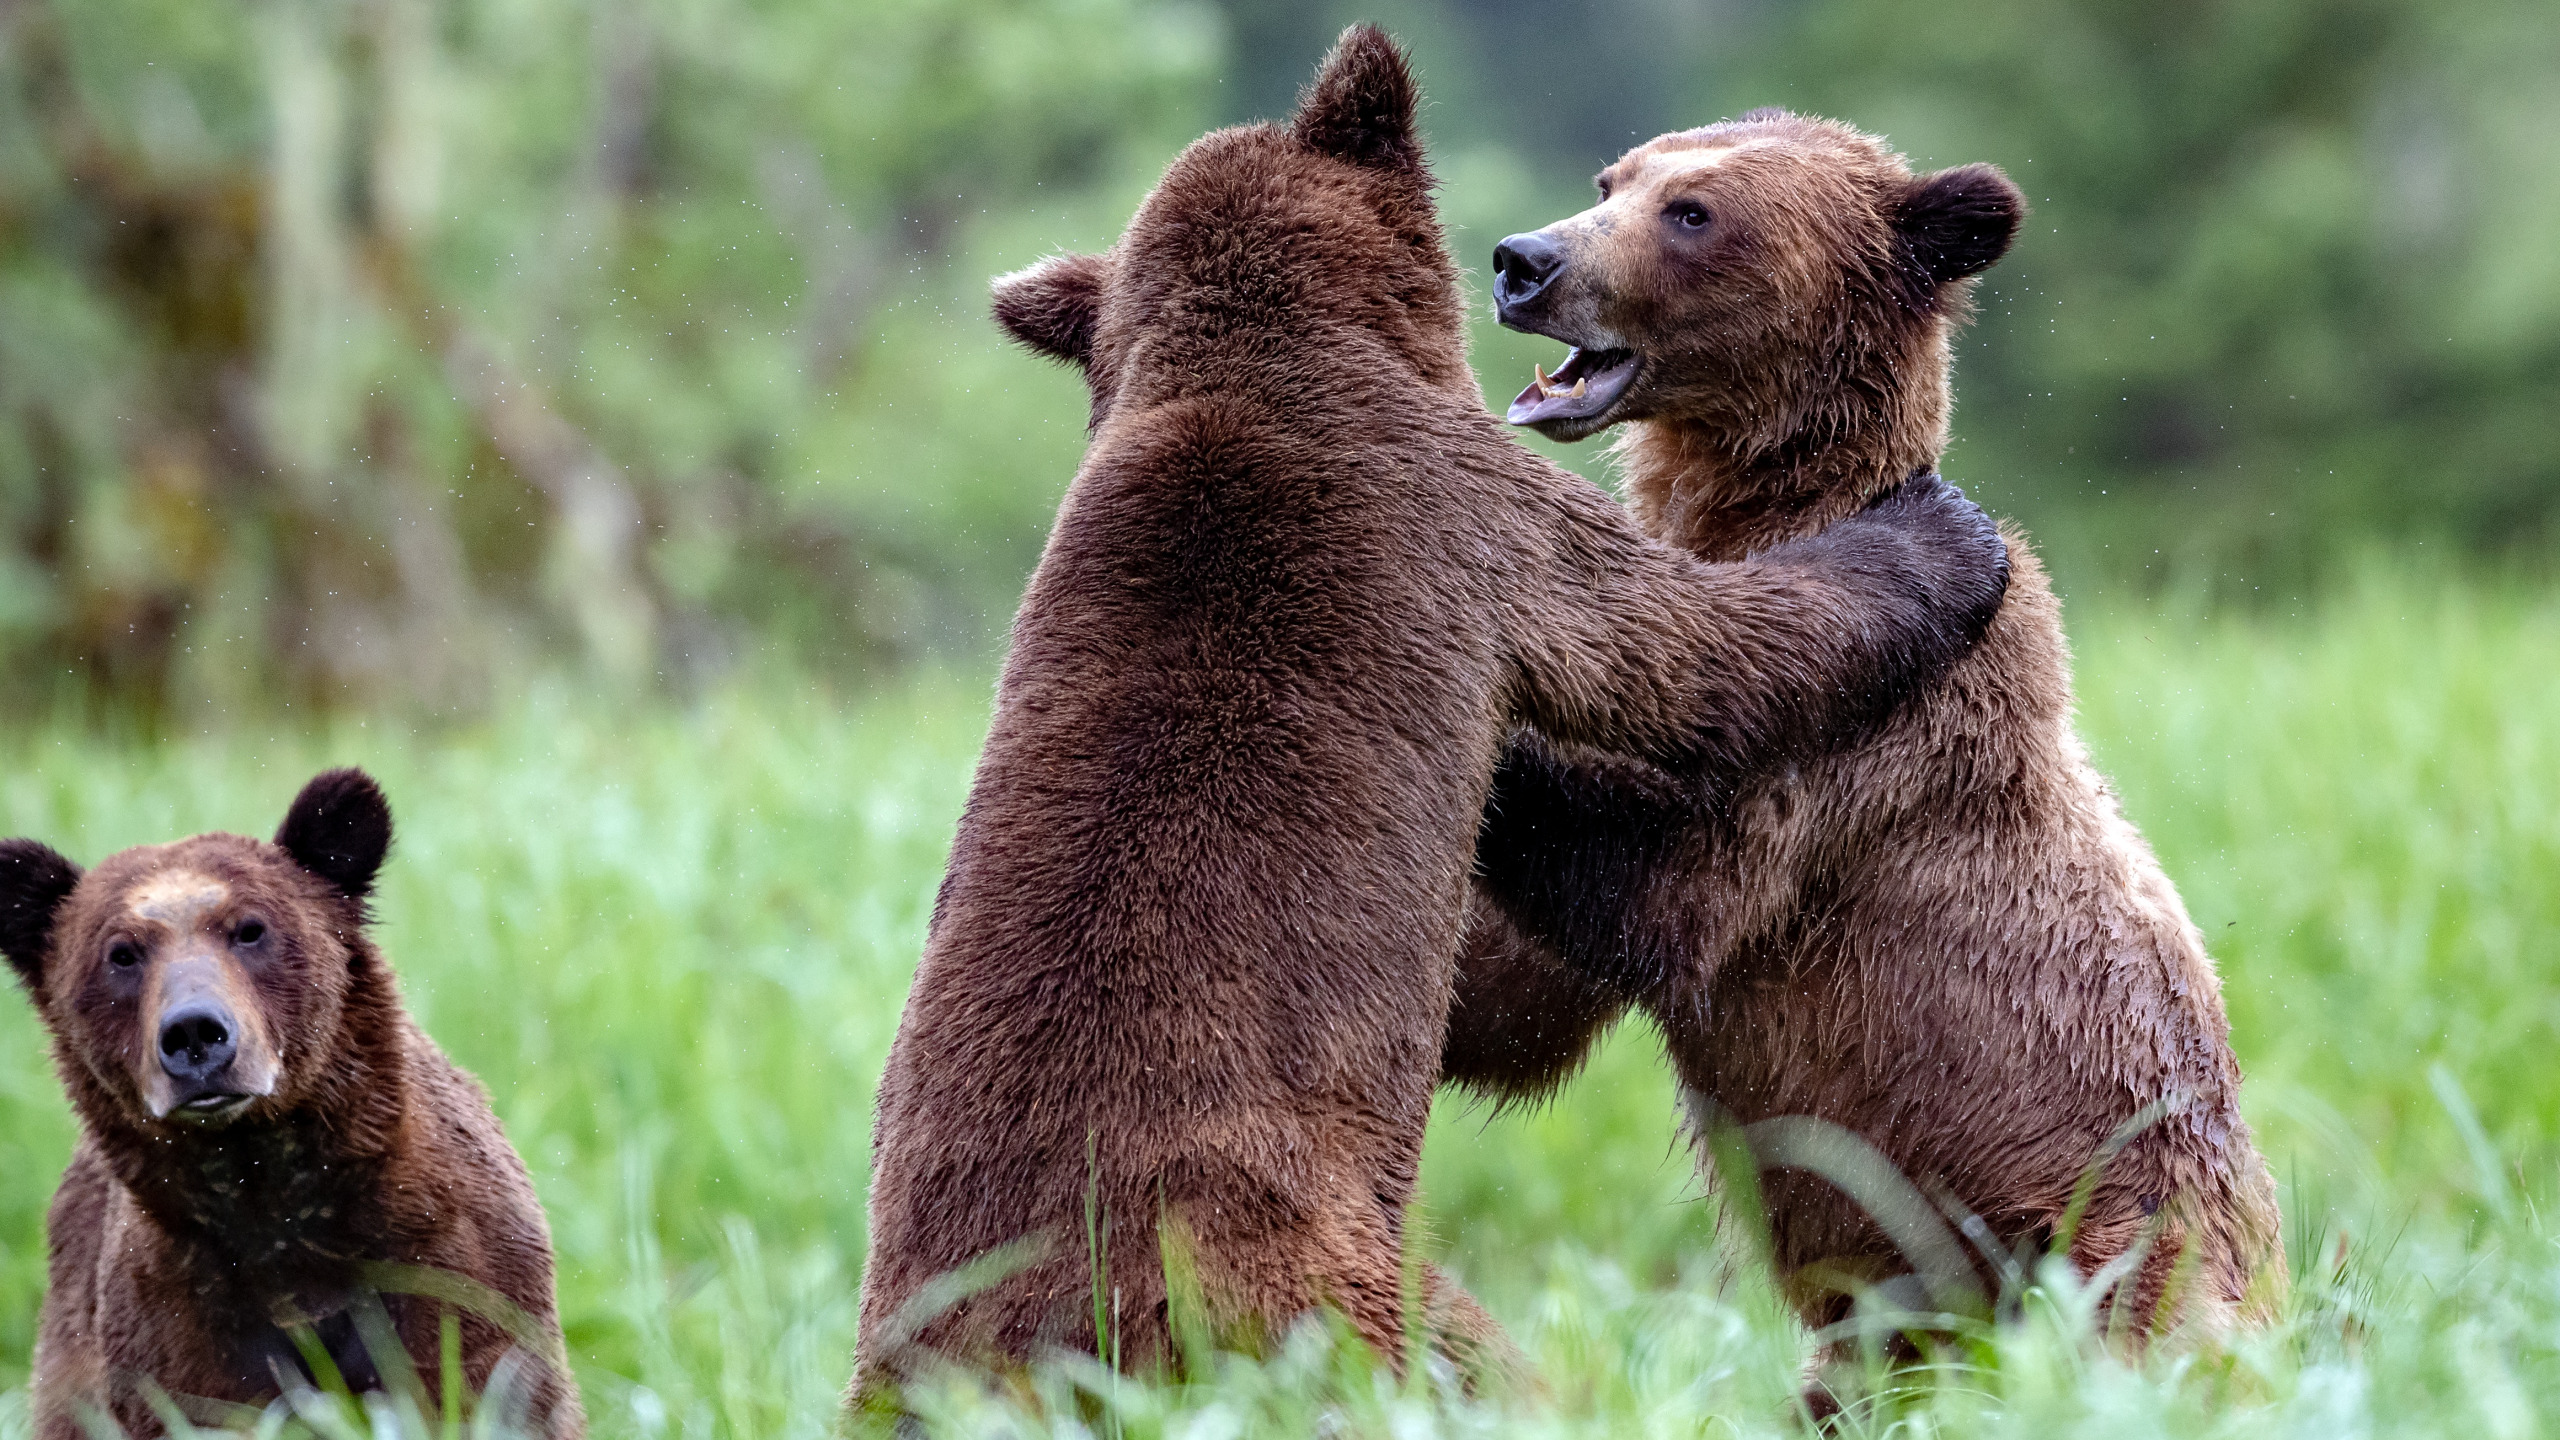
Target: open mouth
{"type": "Point", "coordinates": [1587, 383]}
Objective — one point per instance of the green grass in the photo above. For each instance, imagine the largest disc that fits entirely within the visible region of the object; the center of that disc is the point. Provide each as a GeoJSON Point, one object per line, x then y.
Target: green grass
{"type": "Point", "coordinates": [675, 943]}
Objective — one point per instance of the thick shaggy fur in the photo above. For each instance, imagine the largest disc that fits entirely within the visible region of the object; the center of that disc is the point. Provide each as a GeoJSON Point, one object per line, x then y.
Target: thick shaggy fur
{"type": "Point", "coordinates": [1192, 956]}
{"type": "Point", "coordinates": [1946, 939]}
{"type": "Point", "coordinates": [354, 1168]}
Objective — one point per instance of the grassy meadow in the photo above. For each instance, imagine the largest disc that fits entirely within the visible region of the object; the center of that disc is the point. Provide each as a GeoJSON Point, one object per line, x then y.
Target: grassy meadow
{"type": "Point", "coordinates": [674, 943]}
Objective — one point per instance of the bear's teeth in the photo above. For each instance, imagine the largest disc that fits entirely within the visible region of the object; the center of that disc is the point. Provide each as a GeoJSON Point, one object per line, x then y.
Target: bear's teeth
{"type": "Point", "coordinates": [1545, 387]}
{"type": "Point", "coordinates": [1579, 386]}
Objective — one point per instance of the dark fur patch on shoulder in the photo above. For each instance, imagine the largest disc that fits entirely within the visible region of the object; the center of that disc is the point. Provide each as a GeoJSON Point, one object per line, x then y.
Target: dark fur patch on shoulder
{"type": "Point", "coordinates": [1958, 222]}
{"type": "Point", "coordinates": [339, 829]}
{"type": "Point", "coordinates": [1360, 106]}
{"type": "Point", "coordinates": [34, 881]}
{"type": "Point", "coordinates": [1570, 851]}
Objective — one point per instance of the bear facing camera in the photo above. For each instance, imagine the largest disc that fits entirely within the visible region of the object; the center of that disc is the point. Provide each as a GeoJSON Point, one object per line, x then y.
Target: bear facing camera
{"type": "Point", "coordinates": [268, 1143]}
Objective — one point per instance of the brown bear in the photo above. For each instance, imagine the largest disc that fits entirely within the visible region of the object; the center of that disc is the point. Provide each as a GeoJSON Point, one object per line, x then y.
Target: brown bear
{"type": "Point", "coordinates": [267, 1141]}
{"type": "Point", "coordinates": [1945, 939]}
{"type": "Point", "coordinates": [1192, 955]}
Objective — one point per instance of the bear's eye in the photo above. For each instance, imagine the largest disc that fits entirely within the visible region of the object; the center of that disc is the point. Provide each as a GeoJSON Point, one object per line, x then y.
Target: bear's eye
{"type": "Point", "coordinates": [124, 955]}
{"type": "Point", "coordinates": [249, 933]}
{"type": "Point", "coordinates": [1687, 214]}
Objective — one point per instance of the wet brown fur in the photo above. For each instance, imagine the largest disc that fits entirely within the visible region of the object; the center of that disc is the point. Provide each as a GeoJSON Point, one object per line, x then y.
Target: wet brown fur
{"type": "Point", "coordinates": [1947, 939]}
{"type": "Point", "coordinates": [178, 1248]}
{"type": "Point", "coordinates": [1193, 950]}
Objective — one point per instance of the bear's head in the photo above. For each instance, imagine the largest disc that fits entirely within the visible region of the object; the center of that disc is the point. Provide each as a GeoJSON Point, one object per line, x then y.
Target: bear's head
{"type": "Point", "coordinates": [1750, 274]}
{"type": "Point", "coordinates": [1317, 229]}
{"type": "Point", "coordinates": [193, 984]}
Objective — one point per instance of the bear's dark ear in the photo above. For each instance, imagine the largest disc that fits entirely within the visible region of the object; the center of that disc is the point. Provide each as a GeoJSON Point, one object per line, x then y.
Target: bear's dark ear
{"type": "Point", "coordinates": [1360, 105]}
{"type": "Point", "coordinates": [1959, 222]}
{"type": "Point", "coordinates": [338, 829]}
{"type": "Point", "coordinates": [1053, 307]}
{"type": "Point", "coordinates": [34, 881]}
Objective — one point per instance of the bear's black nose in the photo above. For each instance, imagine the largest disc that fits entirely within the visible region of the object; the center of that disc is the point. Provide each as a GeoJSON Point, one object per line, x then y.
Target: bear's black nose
{"type": "Point", "coordinates": [1523, 265]}
{"type": "Point", "coordinates": [196, 1040]}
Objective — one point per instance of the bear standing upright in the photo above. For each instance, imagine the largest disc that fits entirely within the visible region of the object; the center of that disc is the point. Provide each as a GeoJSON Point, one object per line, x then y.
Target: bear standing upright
{"type": "Point", "coordinates": [1945, 939]}
{"type": "Point", "coordinates": [1191, 958]}
{"type": "Point", "coordinates": [267, 1141]}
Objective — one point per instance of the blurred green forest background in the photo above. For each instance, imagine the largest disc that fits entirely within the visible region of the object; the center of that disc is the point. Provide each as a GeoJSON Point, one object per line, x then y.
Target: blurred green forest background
{"type": "Point", "coordinates": [532, 363]}
{"type": "Point", "coordinates": [385, 352]}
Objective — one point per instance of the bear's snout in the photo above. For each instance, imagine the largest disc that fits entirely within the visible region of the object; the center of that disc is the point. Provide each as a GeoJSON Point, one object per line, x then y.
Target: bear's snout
{"type": "Point", "coordinates": [1522, 266]}
{"type": "Point", "coordinates": [198, 1041]}
{"type": "Point", "coordinates": [212, 1058]}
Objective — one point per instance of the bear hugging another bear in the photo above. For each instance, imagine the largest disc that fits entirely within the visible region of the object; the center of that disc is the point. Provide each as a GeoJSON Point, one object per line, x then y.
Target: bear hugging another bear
{"type": "Point", "coordinates": [1185, 981]}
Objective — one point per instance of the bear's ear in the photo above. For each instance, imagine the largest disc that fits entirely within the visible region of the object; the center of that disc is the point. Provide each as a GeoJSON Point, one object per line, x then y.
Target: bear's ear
{"type": "Point", "coordinates": [1360, 105]}
{"type": "Point", "coordinates": [1959, 222]}
{"type": "Point", "coordinates": [338, 829]}
{"type": "Point", "coordinates": [34, 881]}
{"type": "Point", "coordinates": [1053, 307]}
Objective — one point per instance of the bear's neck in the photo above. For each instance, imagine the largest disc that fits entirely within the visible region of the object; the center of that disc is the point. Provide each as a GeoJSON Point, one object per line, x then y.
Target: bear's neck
{"type": "Point", "coordinates": [1731, 485]}
{"type": "Point", "coordinates": [293, 1204]}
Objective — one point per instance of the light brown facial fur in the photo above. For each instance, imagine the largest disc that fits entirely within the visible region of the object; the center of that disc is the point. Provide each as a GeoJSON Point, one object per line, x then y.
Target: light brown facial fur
{"type": "Point", "coordinates": [180, 945]}
{"type": "Point", "coordinates": [264, 1133]}
{"type": "Point", "coordinates": [1945, 938]}
{"type": "Point", "coordinates": [164, 947]}
{"type": "Point", "coordinates": [1725, 263]}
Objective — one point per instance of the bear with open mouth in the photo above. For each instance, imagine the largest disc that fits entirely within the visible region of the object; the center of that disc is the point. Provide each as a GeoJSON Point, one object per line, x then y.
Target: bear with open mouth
{"type": "Point", "coordinates": [1944, 941]}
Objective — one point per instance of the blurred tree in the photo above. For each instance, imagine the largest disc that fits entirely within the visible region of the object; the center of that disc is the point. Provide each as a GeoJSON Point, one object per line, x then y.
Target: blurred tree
{"type": "Point", "coordinates": [373, 348]}
{"type": "Point", "coordinates": [359, 348]}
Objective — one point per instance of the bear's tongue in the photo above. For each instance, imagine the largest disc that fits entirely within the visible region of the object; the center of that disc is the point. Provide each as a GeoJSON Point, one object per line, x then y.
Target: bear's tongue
{"type": "Point", "coordinates": [1585, 384]}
